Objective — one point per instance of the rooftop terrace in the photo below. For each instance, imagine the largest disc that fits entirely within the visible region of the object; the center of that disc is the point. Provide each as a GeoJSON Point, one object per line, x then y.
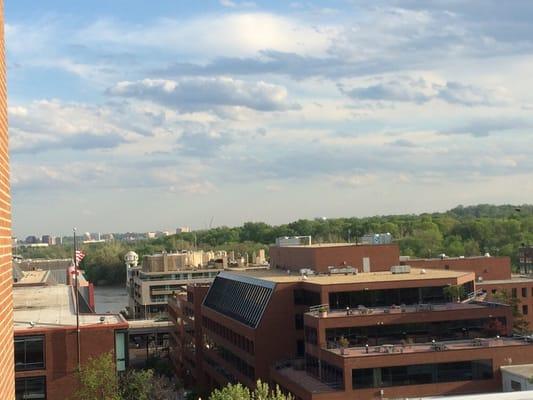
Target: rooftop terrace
{"type": "Point", "coordinates": [52, 306]}
{"type": "Point", "coordinates": [279, 276]}
{"type": "Point", "coordinates": [366, 311]}
{"type": "Point", "coordinates": [398, 350]}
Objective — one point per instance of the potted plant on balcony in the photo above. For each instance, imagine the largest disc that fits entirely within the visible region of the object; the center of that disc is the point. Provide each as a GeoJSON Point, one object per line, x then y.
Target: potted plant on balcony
{"type": "Point", "coordinates": [343, 343]}
{"type": "Point", "coordinates": [323, 311]}
{"type": "Point", "coordinates": [454, 292]}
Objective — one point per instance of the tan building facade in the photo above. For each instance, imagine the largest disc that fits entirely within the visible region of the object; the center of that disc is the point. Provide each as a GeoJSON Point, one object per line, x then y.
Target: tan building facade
{"type": "Point", "coordinates": [7, 379]}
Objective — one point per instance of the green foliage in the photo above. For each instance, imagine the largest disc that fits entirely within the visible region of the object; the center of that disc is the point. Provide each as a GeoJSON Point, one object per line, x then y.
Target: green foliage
{"type": "Point", "coordinates": [136, 385]}
{"type": "Point", "coordinates": [239, 392]}
{"type": "Point", "coordinates": [454, 292]}
{"type": "Point", "coordinates": [520, 324]}
{"type": "Point", "coordinates": [98, 379]}
{"type": "Point", "coordinates": [468, 231]}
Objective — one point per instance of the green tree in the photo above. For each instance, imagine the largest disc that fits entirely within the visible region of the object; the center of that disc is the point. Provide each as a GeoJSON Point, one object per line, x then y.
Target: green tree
{"type": "Point", "coordinates": [137, 385]}
{"type": "Point", "coordinates": [240, 392]}
{"type": "Point", "coordinates": [520, 324]}
{"type": "Point", "coordinates": [98, 379]}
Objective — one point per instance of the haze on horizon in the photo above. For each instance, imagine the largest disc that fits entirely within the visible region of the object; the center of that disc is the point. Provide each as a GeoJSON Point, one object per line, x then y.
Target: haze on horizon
{"type": "Point", "coordinates": [128, 116]}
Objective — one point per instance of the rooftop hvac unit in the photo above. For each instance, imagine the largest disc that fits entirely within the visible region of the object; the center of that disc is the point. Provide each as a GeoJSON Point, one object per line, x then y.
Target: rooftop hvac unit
{"type": "Point", "coordinates": [343, 270]}
{"type": "Point", "coordinates": [400, 269]}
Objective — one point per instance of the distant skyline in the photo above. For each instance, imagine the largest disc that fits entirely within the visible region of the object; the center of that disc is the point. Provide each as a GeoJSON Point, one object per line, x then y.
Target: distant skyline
{"type": "Point", "coordinates": [128, 116]}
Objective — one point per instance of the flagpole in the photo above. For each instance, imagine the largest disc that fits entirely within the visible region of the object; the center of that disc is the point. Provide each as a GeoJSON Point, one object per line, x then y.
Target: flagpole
{"type": "Point", "coordinates": [77, 302]}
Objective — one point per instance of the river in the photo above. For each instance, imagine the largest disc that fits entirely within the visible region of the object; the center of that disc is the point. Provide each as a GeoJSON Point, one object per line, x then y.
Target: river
{"type": "Point", "coordinates": [110, 299]}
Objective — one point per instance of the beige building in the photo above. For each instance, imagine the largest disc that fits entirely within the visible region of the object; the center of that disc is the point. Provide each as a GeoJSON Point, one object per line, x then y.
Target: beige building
{"type": "Point", "coordinates": [161, 275]}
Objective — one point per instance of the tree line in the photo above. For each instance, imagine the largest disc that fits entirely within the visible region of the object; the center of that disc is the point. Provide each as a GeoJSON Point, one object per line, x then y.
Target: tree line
{"type": "Point", "coordinates": [468, 231]}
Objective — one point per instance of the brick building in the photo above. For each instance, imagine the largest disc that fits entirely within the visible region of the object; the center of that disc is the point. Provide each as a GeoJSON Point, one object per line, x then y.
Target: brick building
{"type": "Point", "coordinates": [7, 386]}
{"type": "Point", "coordinates": [318, 257]}
{"type": "Point", "coordinates": [342, 334]}
{"type": "Point", "coordinates": [46, 342]}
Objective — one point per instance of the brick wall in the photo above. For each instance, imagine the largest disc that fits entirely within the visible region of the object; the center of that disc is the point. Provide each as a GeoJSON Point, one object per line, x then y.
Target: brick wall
{"type": "Point", "coordinates": [7, 381]}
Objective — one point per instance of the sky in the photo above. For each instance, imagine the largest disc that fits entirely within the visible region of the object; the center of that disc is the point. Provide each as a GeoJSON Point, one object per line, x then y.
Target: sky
{"type": "Point", "coordinates": [128, 115]}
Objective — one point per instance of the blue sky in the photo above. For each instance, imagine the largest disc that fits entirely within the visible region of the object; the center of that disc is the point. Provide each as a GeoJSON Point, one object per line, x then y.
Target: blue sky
{"type": "Point", "coordinates": [136, 116]}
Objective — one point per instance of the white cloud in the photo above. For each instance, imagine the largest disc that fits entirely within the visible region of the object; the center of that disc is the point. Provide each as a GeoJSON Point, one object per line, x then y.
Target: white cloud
{"type": "Point", "coordinates": [206, 93]}
{"type": "Point", "coordinates": [205, 37]}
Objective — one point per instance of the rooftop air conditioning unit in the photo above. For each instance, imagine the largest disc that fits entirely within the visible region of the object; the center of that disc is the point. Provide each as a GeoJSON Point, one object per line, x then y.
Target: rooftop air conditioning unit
{"type": "Point", "coordinates": [400, 269]}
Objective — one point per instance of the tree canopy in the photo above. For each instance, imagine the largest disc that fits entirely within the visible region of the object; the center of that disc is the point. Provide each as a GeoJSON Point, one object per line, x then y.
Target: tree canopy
{"type": "Point", "coordinates": [240, 392]}
{"type": "Point", "coordinates": [468, 231]}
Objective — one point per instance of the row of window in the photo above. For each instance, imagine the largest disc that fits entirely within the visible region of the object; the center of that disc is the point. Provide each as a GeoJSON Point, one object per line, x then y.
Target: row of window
{"type": "Point", "coordinates": [220, 369]}
{"type": "Point", "coordinates": [388, 297]}
{"type": "Point", "coordinates": [179, 276]}
{"type": "Point", "coordinates": [236, 362]}
{"type": "Point", "coordinates": [324, 371]}
{"type": "Point", "coordinates": [30, 353]}
{"type": "Point", "coordinates": [514, 292]}
{"type": "Point", "coordinates": [231, 336]}
{"type": "Point", "coordinates": [422, 374]}
{"type": "Point", "coordinates": [419, 332]}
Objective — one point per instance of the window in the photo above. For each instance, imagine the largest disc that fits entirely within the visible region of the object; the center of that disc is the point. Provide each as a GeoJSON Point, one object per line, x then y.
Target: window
{"type": "Point", "coordinates": [300, 348]}
{"type": "Point", "coordinates": [120, 350]}
{"type": "Point", "coordinates": [516, 386]}
{"type": "Point", "coordinates": [30, 388]}
{"type": "Point", "coordinates": [422, 374]}
{"type": "Point", "coordinates": [29, 353]}
{"type": "Point", "coordinates": [524, 310]}
{"type": "Point", "coordinates": [304, 297]}
{"type": "Point", "coordinates": [513, 293]}
{"type": "Point", "coordinates": [524, 292]}
{"type": "Point", "coordinates": [299, 321]}
{"type": "Point", "coordinates": [493, 291]}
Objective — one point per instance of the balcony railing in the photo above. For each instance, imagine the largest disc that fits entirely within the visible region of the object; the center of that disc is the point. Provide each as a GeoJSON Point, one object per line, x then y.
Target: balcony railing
{"type": "Point", "coordinates": [324, 311]}
{"type": "Point", "coordinates": [392, 349]}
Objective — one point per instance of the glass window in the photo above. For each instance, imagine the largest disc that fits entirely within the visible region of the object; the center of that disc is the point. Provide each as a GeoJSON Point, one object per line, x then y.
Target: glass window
{"type": "Point", "coordinates": [513, 292]}
{"type": "Point", "coordinates": [363, 378]}
{"type": "Point", "coordinates": [29, 353]}
{"type": "Point", "coordinates": [422, 374]}
{"type": "Point", "coordinates": [299, 321]}
{"type": "Point", "coordinates": [524, 292]}
{"type": "Point", "coordinates": [30, 388]}
{"type": "Point", "coordinates": [120, 350]}
{"type": "Point", "coordinates": [525, 309]}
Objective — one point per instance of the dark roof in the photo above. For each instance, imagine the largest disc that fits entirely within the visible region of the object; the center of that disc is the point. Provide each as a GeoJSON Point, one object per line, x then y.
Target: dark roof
{"type": "Point", "coordinates": [239, 297]}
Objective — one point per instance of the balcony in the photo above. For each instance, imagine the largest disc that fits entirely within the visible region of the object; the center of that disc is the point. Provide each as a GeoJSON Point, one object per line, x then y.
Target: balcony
{"type": "Point", "coordinates": [400, 349]}
{"type": "Point", "coordinates": [362, 311]}
{"type": "Point", "coordinates": [293, 372]}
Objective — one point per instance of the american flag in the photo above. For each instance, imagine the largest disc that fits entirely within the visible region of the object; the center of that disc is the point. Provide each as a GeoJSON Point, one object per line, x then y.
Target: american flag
{"type": "Point", "coordinates": [79, 256]}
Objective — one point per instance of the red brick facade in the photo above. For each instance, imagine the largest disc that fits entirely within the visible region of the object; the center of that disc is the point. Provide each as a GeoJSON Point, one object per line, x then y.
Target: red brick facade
{"type": "Point", "coordinates": [7, 381]}
{"type": "Point", "coordinates": [320, 257]}
{"type": "Point", "coordinates": [486, 268]}
{"type": "Point", "coordinates": [61, 354]}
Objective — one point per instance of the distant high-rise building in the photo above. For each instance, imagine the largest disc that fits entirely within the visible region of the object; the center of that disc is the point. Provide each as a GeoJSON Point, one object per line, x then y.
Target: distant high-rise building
{"type": "Point", "coordinates": [31, 239]}
{"type": "Point", "coordinates": [48, 239]}
{"type": "Point", "coordinates": [183, 229]}
{"type": "Point", "coordinates": [7, 377]}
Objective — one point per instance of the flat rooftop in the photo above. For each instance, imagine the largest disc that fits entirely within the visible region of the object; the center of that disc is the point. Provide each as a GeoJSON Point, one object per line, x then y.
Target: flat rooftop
{"type": "Point", "coordinates": [514, 279]}
{"type": "Point", "coordinates": [279, 276]}
{"type": "Point", "coordinates": [524, 370]}
{"type": "Point", "coordinates": [326, 245]}
{"type": "Point", "coordinates": [50, 307]}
